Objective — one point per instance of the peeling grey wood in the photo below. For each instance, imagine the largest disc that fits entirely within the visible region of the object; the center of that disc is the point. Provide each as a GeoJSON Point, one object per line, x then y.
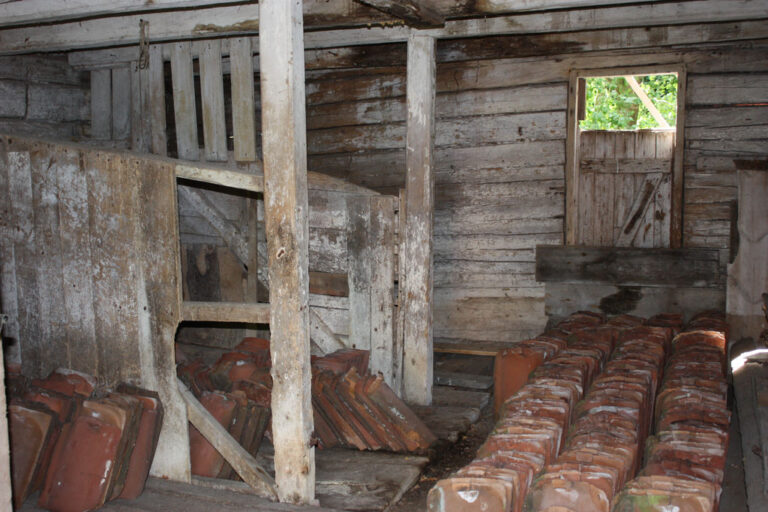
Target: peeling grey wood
{"type": "Point", "coordinates": [45, 170]}
{"type": "Point", "coordinates": [159, 290]}
{"type": "Point", "coordinates": [225, 312]}
{"type": "Point", "coordinates": [417, 288]}
{"type": "Point", "coordinates": [285, 201]}
{"type": "Point", "coordinates": [23, 218]}
{"type": "Point", "coordinates": [121, 103]}
{"type": "Point", "coordinates": [101, 104]}
{"type": "Point", "coordinates": [8, 286]}
{"type": "Point", "coordinates": [243, 110]}
{"type": "Point", "coordinates": [159, 138]}
{"type": "Point", "coordinates": [184, 101]}
{"type": "Point", "coordinates": [240, 460]}
{"type": "Point", "coordinates": [212, 97]}
{"type": "Point", "coordinates": [382, 264]}
{"type": "Point", "coordinates": [359, 256]}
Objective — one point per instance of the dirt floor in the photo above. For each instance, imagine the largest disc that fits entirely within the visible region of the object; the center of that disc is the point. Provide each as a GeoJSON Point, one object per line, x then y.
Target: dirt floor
{"type": "Point", "coordinates": [445, 460]}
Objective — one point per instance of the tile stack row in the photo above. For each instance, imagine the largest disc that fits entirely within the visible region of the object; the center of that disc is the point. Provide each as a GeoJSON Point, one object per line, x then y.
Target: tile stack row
{"type": "Point", "coordinates": [78, 446]}
{"type": "Point", "coordinates": [533, 420]}
{"type": "Point", "coordinates": [603, 447]}
{"type": "Point", "coordinates": [352, 408]}
{"type": "Point", "coordinates": [685, 460]}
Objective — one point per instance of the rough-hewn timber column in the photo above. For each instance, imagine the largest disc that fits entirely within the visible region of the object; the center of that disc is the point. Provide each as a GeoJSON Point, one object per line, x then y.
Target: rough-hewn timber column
{"type": "Point", "coordinates": [419, 199]}
{"type": "Point", "coordinates": [281, 50]}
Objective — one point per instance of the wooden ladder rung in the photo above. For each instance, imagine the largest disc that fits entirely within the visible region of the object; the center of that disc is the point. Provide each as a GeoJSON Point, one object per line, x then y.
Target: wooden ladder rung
{"type": "Point", "coordinates": [235, 312]}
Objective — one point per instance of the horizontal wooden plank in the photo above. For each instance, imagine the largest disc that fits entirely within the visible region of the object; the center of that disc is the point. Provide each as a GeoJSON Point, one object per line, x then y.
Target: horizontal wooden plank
{"type": "Point", "coordinates": [565, 298]}
{"type": "Point", "coordinates": [492, 313]}
{"type": "Point", "coordinates": [725, 117]}
{"type": "Point", "coordinates": [223, 177]}
{"type": "Point", "coordinates": [625, 165]}
{"type": "Point", "coordinates": [732, 89]}
{"type": "Point", "coordinates": [225, 312]}
{"type": "Point", "coordinates": [628, 266]}
{"type": "Point", "coordinates": [463, 380]}
{"type": "Point", "coordinates": [325, 283]}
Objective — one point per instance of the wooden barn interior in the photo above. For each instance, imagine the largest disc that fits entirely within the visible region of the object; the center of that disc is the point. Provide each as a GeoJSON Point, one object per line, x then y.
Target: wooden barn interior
{"type": "Point", "coordinates": [327, 255]}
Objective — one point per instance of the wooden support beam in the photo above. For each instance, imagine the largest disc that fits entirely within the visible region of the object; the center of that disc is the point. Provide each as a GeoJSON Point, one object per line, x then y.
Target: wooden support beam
{"type": "Point", "coordinates": [241, 461]}
{"type": "Point", "coordinates": [415, 13]}
{"type": "Point", "coordinates": [241, 19]}
{"type": "Point", "coordinates": [45, 11]}
{"type": "Point", "coordinates": [647, 102]}
{"type": "Point", "coordinates": [419, 197]}
{"type": "Point", "coordinates": [284, 149]}
{"type": "Point", "coordinates": [222, 177]}
{"type": "Point", "coordinates": [225, 312]}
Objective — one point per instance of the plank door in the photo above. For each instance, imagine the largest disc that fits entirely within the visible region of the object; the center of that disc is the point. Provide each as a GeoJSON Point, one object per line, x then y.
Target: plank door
{"type": "Point", "coordinates": [625, 188]}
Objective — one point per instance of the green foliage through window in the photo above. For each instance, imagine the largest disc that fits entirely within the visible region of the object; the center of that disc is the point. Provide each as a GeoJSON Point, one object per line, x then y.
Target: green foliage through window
{"type": "Point", "coordinates": [611, 104]}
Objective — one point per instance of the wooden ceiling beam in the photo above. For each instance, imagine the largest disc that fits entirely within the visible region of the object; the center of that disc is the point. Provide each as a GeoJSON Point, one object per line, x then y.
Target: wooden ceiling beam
{"type": "Point", "coordinates": [239, 19]}
{"type": "Point", "coordinates": [415, 13]}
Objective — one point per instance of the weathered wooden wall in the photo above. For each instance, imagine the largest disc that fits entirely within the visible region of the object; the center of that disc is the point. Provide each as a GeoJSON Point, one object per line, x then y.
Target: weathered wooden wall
{"type": "Point", "coordinates": [89, 254]}
{"type": "Point", "coordinates": [43, 96]}
{"type": "Point", "coordinates": [501, 150]}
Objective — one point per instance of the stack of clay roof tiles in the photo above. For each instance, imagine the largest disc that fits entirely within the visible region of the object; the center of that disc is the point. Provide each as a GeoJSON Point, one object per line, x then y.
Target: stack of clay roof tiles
{"type": "Point", "coordinates": [604, 443]}
{"type": "Point", "coordinates": [532, 420]}
{"type": "Point", "coordinates": [518, 467]}
{"type": "Point", "coordinates": [78, 447]}
{"type": "Point", "coordinates": [685, 460]}
{"type": "Point", "coordinates": [352, 408]}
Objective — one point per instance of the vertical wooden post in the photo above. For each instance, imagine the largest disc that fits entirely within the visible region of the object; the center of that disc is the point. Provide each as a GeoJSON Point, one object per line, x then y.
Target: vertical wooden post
{"type": "Point", "coordinates": [382, 254]}
{"type": "Point", "coordinates": [359, 274]}
{"type": "Point", "coordinates": [243, 111]}
{"type": "Point", "coordinates": [212, 96]}
{"type": "Point", "coordinates": [159, 142]}
{"type": "Point", "coordinates": [184, 101]}
{"type": "Point", "coordinates": [281, 49]}
{"type": "Point", "coordinates": [419, 192]}
{"type": "Point", "coordinates": [140, 109]}
{"type": "Point", "coordinates": [748, 274]}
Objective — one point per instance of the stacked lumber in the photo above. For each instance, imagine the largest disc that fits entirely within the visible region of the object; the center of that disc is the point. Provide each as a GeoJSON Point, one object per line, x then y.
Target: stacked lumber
{"type": "Point", "coordinates": [685, 460]}
{"type": "Point", "coordinates": [604, 443]}
{"type": "Point", "coordinates": [78, 446]}
{"type": "Point", "coordinates": [352, 408]}
{"type": "Point", "coordinates": [532, 421]}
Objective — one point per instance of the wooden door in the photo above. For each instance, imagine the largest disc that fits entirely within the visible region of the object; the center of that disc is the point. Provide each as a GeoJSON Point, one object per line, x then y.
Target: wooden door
{"type": "Point", "coordinates": [625, 188]}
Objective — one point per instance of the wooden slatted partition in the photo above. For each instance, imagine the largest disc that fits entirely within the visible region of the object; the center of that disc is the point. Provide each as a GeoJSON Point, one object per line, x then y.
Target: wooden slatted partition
{"type": "Point", "coordinates": [95, 265]}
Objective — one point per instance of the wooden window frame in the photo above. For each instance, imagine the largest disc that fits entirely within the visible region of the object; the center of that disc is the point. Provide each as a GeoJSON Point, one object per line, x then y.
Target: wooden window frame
{"type": "Point", "coordinates": [572, 146]}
